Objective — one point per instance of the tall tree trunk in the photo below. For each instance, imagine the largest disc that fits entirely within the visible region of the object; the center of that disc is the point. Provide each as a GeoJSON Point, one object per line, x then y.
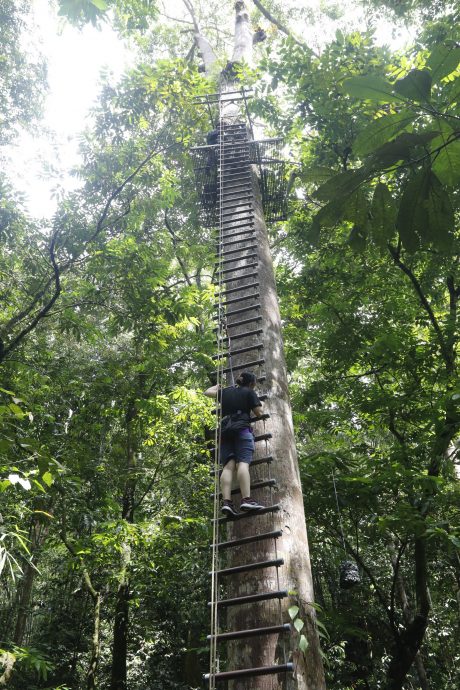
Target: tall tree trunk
{"type": "Point", "coordinates": [121, 623]}
{"type": "Point", "coordinates": [408, 617]}
{"type": "Point", "coordinates": [295, 576]}
{"type": "Point", "coordinates": [411, 638]}
{"type": "Point", "coordinates": [37, 535]}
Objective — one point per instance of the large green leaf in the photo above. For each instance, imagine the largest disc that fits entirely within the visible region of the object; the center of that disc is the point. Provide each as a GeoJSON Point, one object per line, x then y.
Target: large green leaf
{"type": "Point", "coordinates": [446, 163]}
{"type": "Point", "coordinates": [440, 215]}
{"type": "Point", "coordinates": [380, 131]}
{"type": "Point", "coordinates": [416, 85]}
{"type": "Point", "coordinates": [399, 149]}
{"type": "Point", "coordinates": [340, 185]}
{"type": "Point", "coordinates": [383, 212]}
{"type": "Point", "coordinates": [425, 214]}
{"type": "Point", "coordinates": [443, 60]}
{"type": "Point", "coordinates": [317, 173]}
{"type": "Point", "coordinates": [371, 88]}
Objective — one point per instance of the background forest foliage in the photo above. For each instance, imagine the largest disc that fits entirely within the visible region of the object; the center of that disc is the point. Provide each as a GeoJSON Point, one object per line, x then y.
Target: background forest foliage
{"type": "Point", "coordinates": [106, 342]}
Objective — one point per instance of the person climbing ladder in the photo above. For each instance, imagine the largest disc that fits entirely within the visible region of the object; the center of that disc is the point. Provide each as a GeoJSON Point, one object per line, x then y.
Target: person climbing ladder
{"type": "Point", "coordinates": [236, 439]}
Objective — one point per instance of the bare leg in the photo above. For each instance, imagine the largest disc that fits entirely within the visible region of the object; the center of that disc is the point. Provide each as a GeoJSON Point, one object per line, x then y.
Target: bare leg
{"type": "Point", "coordinates": [226, 480]}
{"type": "Point", "coordinates": [244, 479]}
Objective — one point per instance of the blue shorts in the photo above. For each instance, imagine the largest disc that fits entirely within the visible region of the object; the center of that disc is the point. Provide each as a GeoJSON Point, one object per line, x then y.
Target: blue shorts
{"type": "Point", "coordinates": [239, 446]}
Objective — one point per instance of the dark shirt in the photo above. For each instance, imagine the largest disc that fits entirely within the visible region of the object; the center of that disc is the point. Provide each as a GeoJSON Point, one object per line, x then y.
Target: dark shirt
{"type": "Point", "coordinates": [238, 398]}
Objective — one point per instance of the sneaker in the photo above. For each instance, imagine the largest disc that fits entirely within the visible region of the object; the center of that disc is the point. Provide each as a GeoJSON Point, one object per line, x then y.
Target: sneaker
{"type": "Point", "coordinates": [228, 509]}
{"type": "Point", "coordinates": [250, 504]}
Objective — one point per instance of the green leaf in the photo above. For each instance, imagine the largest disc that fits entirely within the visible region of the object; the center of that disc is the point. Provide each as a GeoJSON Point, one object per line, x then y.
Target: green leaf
{"type": "Point", "coordinates": [327, 217]}
{"type": "Point", "coordinates": [383, 211]}
{"type": "Point", "coordinates": [370, 88]}
{"type": "Point", "coordinates": [357, 239]}
{"type": "Point", "coordinates": [47, 478]}
{"type": "Point", "coordinates": [425, 214]}
{"type": "Point", "coordinates": [340, 185]}
{"type": "Point", "coordinates": [446, 164]}
{"type": "Point", "coordinates": [399, 149]}
{"type": "Point", "coordinates": [298, 624]}
{"type": "Point", "coordinates": [443, 60]}
{"type": "Point", "coordinates": [440, 215]}
{"type": "Point", "coordinates": [100, 4]}
{"type": "Point", "coordinates": [303, 643]}
{"type": "Point", "coordinates": [16, 410]}
{"type": "Point", "coordinates": [293, 611]}
{"type": "Point", "coordinates": [416, 85]}
{"type": "Point", "coordinates": [317, 173]}
{"type": "Point", "coordinates": [379, 131]}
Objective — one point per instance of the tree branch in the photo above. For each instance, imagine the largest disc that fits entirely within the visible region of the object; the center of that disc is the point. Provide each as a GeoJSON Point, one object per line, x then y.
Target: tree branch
{"type": "Point", "coordinates": [175, 245]}
{"type": "Point", "coordinates": [205, 48]}
{"type": "Point", "coordinates": [426, 305]}
{"type": "Point", "coordinates": [59, 269]}
{"type": "Point", "coordinates": [278, 24]}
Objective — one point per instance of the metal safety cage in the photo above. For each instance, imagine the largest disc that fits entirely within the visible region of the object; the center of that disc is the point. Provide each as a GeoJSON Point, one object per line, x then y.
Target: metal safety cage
{"type": "Point", "coordinates": [266, 154]}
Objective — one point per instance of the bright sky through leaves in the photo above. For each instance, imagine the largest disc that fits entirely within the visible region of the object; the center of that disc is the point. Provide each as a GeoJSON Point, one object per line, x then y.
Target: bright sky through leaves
{"type": "Point", "coordinates": [75, 58]}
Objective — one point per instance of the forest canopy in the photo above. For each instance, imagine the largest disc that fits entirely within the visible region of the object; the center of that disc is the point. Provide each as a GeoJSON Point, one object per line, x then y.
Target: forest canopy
{"type": "Point", "coordinates": [107, 342]}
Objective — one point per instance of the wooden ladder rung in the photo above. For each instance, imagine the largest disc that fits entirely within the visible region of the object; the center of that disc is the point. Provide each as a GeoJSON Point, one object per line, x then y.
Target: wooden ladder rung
{"type": "Point", "coordinates": [252, 274]}
{"type": "Point", "coordinates": [273, 563]}
{"type": "Point", "coordinates": [237, 258]}
{"type": "Point", "coordinates": [257, 485]}
{"type": "Point", "coordinates": [236, 251]}
{"type": "Point", "coordinates": [245, 365]}
{"type": "Point", "coordinates": [246, 334]}
{"type": "Point", "coordinates": [251, 598]}
{"type": "Point", "coordinates": [231, 291]}
{"type": "Point", "coordinates": [239, 351]}
{"type": "Point", "coordinates": [234, 300]}
{"type": "Point", "coordinates": [261, 536]}
{"type": "Point", "coordinates": [239, 311]}
{"type": "Point", "coordinates": [251, 632]}
{"type": "Point", "coordinates": [248, 672]}
{"type": "Point", "coordinates": [239, 268]}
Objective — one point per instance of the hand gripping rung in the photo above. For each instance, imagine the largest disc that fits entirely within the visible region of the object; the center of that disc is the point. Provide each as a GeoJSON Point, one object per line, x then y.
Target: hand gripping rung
{"type": "Point", "coordinates": [251, 598]}
{"type": "Point", "coordinates": [250, 672]}
{"type": "Point", "coordinates": [250, 513]}
{"type": "Point", "coordinates": [260, 536]}
{"type": "Point", "coordinates": [248, 348]}
{"type": "Point", "coordinates": [274, 563]}
{"type": "Point", "coordinates": [251, 632]}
